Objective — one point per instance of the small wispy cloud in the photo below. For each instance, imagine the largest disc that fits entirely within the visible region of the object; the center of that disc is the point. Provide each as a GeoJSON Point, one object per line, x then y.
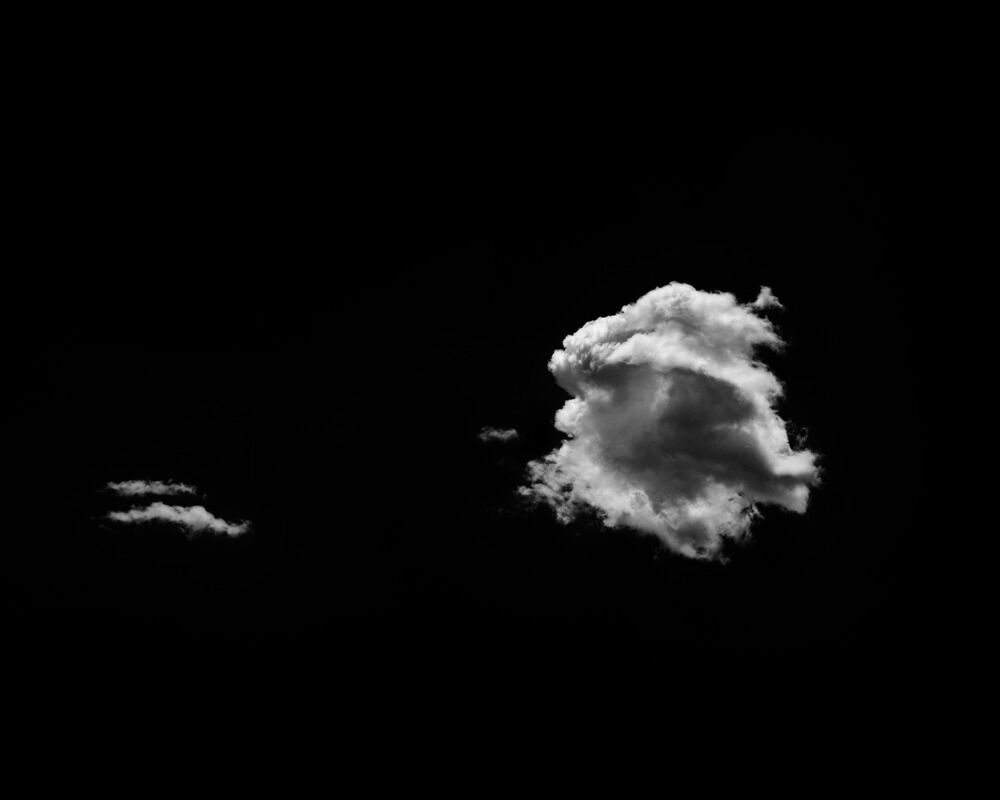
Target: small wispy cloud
{"type": "Point", "coordinates": [197, 519]}
{"type": "Point", "coordinates": [497, 434]}
{"type": "Point", "coordinates": [133, 488]}
{"type": "Point", "coordinates": [766, 299]}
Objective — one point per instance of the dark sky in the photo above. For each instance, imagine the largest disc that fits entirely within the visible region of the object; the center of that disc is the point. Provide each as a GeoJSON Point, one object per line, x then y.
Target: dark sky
{"type": "Point", "coordinates": [311, 315]}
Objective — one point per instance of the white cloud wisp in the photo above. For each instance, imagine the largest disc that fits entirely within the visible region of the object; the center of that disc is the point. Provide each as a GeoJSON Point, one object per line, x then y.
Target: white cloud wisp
{"type": "Point", "coordinates": [488, 434]}
{"type": "Point", "coordinates": [672, 427]}
{"type": "Point", "coordinates": [197, 519]}
{"type": "Point", "coordinates": [132, 488]}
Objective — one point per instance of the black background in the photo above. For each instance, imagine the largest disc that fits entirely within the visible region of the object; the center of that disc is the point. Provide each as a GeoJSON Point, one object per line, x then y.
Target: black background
{"type": "Point", "coordinates": [309, 302]}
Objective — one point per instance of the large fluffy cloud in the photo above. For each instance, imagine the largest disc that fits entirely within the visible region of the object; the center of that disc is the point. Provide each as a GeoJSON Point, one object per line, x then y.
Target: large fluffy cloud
{"type": "Point", "coordinates": [672, 427]}
{"type": "Point", "coordinates": [196, 519]}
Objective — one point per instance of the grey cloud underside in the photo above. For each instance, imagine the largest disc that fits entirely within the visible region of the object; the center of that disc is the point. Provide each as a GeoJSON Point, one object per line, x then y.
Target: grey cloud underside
{"type": "Point", "coordinates": [671, 424]}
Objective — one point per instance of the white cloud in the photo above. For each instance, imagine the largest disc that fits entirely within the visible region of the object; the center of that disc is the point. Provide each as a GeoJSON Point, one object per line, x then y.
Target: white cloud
{"type": "Point", "coordinates": [196, 519]}
{"type": "Point", "coordinates": [766, 298]}
{"type": "Point", "coordinates": [671, 425]}
{"type": "Point", "coordinates": [131, 488]}
{"type": "Point", "coordinates": [497, 434]}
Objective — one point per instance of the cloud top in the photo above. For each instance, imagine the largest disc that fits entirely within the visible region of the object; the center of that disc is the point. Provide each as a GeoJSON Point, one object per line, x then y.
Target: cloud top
{"type": "Point", "coordinates": [497, 434]}
{"type": "Point", "coordinates": [196, 519]}
{"type": "Point", "coordinates": [671, 425]}
{"type": "Point", "coordinates": [133, 488]}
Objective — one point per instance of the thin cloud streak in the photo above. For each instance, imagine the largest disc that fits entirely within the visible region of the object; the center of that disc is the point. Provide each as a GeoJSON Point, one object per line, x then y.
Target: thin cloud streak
{"type": "Point", "coordinates": [488, 434]}
{"type": "Point", "coordinates": [196, 519]}
{"type": "Point", "coordinates": [134, 488]}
